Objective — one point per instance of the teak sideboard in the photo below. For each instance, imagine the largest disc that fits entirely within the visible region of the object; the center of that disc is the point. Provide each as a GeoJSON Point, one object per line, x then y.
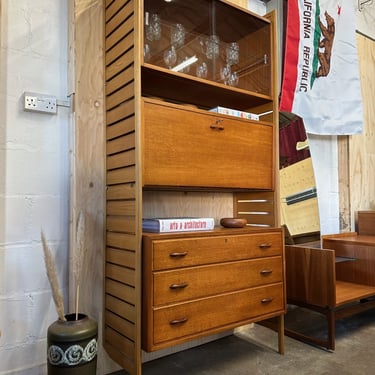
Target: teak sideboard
{"type": "Point", "coordinates": [168, 65]}
{"type": "Point", "coordinates": [336, 280]}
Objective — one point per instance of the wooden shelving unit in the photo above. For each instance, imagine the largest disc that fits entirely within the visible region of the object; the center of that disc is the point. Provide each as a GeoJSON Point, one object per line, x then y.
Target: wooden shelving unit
{"type": "Point", "coordinates": [168, 155]}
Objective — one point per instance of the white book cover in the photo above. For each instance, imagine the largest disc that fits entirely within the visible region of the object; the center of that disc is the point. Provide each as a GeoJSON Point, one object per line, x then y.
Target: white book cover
{"type": "Point", "coordinates": [178, 224]}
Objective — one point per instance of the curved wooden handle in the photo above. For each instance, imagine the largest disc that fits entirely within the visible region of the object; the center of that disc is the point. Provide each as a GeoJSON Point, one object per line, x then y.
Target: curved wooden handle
{"type": "Point", "coordinates": [178, 286]}
{"type": "Point", "coordinates": [178, 321]}
{"type": "Point", "coordinates": [266, 300]}
{"type": "Point", "coordinates": [265, 272]}
{"type": "Point", "coordinates": [178, 254]}
{"type": "Point", "coordinates": [266, 245]}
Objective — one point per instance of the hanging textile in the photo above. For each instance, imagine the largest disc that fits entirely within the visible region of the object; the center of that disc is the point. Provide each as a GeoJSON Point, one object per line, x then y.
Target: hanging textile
{"type": "Point", "coordinates": [321, 80]}
{"type": "Point", "coordinates": [289, 136]}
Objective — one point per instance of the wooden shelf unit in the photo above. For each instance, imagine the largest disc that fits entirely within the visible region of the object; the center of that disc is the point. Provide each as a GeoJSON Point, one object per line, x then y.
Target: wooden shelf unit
{"type": "Point", "coordinates": [156, 119]}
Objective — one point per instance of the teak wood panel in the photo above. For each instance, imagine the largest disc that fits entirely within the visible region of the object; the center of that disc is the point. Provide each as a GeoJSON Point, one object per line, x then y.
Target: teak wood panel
{"type": "Point", "coordinates": [362, 249]}
{"type": "Point", "coordinates": [310, 275]}
{"type": "Point", "coordinates": [122, 288]}
{"type": "Point", "coordinates": [347, 292]}
{"type": "Point", "coordinates": [184, 147]}
{"type": "Point", "coordinates": [366, 223]}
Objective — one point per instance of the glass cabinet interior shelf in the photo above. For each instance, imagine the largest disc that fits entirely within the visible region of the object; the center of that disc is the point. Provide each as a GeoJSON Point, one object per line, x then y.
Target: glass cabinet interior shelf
{"type": "Point", "coordinates": [208, 40]}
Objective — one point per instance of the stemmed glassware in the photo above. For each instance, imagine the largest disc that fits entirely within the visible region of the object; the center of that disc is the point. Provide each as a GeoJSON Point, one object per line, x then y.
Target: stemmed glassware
{"type": "Point", "coordinates": [170, 57]}
{"type": "Point", "coordinates": [225, 73]}
{"type": "Point", "coordinates": [227, 76]}
{"type": "Point", "coordinates": [146, 52]}
{"type": "Point", "coordinates": [232, 53]}
{"type": "Point", "coordinates": [212, 47]}
{"type": "Point", "coordinates": [232, 57]}
{"type": "Point", "coordinates": [233, 79]}
{"type": "Point", "coordinates": [177, 35]}
{"type": "Point", "coordinates": [202, 70]}
{"type": "Point", "coordinates": [153, 27]}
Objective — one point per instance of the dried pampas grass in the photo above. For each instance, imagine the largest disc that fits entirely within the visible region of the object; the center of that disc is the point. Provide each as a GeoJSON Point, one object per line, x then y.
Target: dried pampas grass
{"type": "Point", "coordinates": [78, 261]}
{"type": "Point", "coordinates": [53, 280]}
{"type": "Point", "coordinates": [79, 256]}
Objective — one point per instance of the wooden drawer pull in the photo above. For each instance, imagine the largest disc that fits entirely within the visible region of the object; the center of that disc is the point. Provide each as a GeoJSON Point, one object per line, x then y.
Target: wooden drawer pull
{"type": "Point", "coordinates": [178, 321]}
{"type": "Point", "coordinates": [178, 286]}
{"type": "Point", "coordinates": [266, 300]}
{"type": "Point", "coordinates": [265, 272]}
{"type": "Point", "coordinates": [217, 125]}
{"type": "Point", "coordinates": [178, 255]}
{"type": "Point", "coordinates": [265, 245]}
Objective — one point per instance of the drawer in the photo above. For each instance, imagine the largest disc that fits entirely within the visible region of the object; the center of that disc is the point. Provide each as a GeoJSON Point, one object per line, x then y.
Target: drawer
{"type": "Point", "coordinates": [169, 130]}
{"type": "Point", "coordinates": [197, 282]}
{"type": "Point", "coordinates": [178, 323]}
{"type": "Point", "coordinates": [185, 252]}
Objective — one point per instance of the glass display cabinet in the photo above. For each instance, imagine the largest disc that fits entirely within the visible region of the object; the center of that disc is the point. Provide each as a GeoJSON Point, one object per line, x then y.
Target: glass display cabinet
{"type": "Point", "coordinates": [206, 45]}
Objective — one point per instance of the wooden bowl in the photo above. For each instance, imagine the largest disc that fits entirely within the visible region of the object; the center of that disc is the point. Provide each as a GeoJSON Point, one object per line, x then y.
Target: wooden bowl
{"type": "Point", "coordinates": [233, 222]}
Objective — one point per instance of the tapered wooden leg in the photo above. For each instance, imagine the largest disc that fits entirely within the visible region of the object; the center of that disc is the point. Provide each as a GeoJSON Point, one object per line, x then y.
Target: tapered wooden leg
{"type": "Point", "coordinates": [331, 329]}
{"type": "Point", "coordinates": [281, 336]}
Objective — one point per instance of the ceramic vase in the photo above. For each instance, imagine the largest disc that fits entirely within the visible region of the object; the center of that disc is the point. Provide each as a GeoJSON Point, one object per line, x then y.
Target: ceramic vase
{"type": "Point", "coordinates": [72, 346]}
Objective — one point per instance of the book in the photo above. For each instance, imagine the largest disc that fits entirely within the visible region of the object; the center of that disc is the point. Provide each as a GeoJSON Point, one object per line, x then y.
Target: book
{"type": "Point", "coordinates": [177, 224]}
{"type": "Point", "coordinates": [236, 113]}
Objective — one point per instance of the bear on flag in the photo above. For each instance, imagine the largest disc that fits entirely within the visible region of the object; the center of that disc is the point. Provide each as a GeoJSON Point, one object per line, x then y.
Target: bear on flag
{"type": "Point", "coordinates": [321, 81]}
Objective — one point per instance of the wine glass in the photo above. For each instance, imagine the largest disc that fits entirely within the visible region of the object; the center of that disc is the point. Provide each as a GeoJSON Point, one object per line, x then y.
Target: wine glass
{"type": "Point", "coordinates": [225, 73]}
{"type": "Point", "coordinates": [153, 27]}
{"type": "Point", "coordinates": [233, 79]}
{"type": "Point", "coordinates": [146, 52]}
{"type": "Point", "coordinates": [170, 57]}
{"type": "Point", "coordinates": [212, 47]}
{"type": "Point", "coordinates": [233, 53]}
{"type": "Point", "coordinates": [202, 70]}
{"type": "Point", "coordinates": [178, 35]}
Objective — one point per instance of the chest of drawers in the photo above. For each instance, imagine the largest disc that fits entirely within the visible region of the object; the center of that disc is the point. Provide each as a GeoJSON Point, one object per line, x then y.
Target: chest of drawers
{"type": "Point", "coordinates": [201, 283]}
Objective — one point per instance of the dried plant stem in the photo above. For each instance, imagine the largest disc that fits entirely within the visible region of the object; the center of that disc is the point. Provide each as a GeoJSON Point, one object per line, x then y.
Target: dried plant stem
{"type": "Point", "coordinates": [77, 302]}
{"type": "Point", "coordinates": [79, 256]}
{"type": "Point", "coordinates": [53, 280]}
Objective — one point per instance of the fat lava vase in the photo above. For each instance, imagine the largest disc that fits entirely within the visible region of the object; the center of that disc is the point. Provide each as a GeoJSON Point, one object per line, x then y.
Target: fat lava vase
{"type": "Point", "coordinates": [72, 346]}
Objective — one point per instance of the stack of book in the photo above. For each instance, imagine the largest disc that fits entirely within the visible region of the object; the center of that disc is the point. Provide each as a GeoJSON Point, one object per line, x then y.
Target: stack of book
{"type": "Point", "coordinates": [178, 224]}
{"type": "Point", "coordinates": [236, 113]}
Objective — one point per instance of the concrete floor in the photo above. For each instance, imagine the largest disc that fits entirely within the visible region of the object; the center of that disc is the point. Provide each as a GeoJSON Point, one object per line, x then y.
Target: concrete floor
{"type": "Point", "coordinates": [253, 351]}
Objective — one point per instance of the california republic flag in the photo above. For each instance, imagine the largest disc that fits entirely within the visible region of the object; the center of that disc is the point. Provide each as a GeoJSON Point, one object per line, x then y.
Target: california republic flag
{"type": "Point", "coordinates": [321, 80]}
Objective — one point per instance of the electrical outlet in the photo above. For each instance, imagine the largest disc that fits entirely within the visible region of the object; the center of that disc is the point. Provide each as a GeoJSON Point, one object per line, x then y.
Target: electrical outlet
{"type": "Point", "coordinates": [40, 103]}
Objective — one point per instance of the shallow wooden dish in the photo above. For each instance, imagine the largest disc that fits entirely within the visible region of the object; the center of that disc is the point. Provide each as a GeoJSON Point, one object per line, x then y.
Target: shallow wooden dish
{"type": "Point", "coordinates": [233, 222]}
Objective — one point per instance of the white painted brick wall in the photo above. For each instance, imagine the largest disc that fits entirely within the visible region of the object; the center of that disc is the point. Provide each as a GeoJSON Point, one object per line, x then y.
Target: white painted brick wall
{"type": "Point", "coordinates": [34, 178]}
